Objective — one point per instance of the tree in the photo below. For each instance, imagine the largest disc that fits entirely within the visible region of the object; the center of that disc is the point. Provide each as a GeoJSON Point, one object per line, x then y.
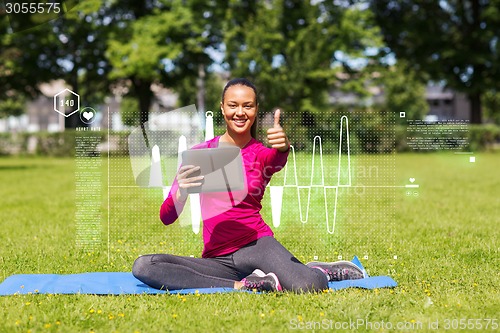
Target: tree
{"type": "Point", "coordinates": [451, 40]}
{"type": "Point", "coordinates": [98, 42]}
{"type": "Point", "coordinates": [144, 37]}
{"type": "Point", "coordinates": [163, 42]}
{"type": "Point", "coordinates": [187, 93]}
{"type": "Point", "coordinates": [404, 92]}
{"type": "Point", "coordinates": [492, 106]}
{"type": "Point", "coordinates": [70, 48]}
{"type": "Point", "coordinates": [294, 50]}
{"type": "Point", "coordinates": [128, 111]}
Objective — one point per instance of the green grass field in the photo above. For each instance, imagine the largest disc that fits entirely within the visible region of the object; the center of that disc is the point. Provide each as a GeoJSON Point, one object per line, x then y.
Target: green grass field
{"type": "Point", "coordinates": [445, 240]}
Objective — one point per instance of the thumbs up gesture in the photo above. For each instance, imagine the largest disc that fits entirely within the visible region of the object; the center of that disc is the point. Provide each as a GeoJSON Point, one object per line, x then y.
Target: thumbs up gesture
{"type": "Point", "coordinates": [276, 135]}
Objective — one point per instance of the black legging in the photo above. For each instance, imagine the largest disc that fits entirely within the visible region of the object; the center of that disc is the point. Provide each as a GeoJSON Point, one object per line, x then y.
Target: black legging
{"type": "Point", "coordinates": [166, 271]}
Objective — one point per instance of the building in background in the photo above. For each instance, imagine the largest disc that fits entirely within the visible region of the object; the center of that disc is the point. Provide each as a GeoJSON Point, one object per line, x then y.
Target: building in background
{"type": "Point", "coordinates": [446, 104]}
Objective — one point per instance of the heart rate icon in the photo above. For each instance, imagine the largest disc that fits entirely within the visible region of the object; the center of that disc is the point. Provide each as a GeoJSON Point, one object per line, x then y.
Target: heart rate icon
{"type": "Point", "coordinates": [88, 115]}
{"type": "Point", "coordinates": [412, 180]}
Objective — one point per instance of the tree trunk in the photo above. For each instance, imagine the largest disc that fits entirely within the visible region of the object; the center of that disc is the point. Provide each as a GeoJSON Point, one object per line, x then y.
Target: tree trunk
{"type": "Point", "coordinates": [144, 94]}
{"type": "Point", "coordinates": [475, 108]}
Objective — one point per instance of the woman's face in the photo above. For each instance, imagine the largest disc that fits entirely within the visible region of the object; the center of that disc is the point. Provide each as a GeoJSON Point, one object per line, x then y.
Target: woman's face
{"type": "Point", "coordinates": [239, 108]}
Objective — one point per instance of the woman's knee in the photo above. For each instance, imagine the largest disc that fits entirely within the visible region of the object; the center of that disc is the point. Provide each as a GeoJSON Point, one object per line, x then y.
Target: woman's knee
{"type": "Point", "coordinates": [141, 266]}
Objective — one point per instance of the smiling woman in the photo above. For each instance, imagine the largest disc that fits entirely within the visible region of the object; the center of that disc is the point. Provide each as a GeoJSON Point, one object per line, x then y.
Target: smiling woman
{"type": "Point", "coordinates": [240, 250]}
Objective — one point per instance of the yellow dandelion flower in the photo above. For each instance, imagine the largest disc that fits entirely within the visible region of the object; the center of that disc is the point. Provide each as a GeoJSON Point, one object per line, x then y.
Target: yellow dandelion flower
{"type": "Point", "coordinates": [91, 310]}
{"type": "Point", "coordinates": [27, 303]}
{"type": "Point", "coordinates": [121, 315]}
{"type": "Point", "coordinates": [299, 317]}
{"type": "Point", "coordinates": [321, 314]}
{"type": "Point", "coordinates": [18, 322]}
{"type": "Point", "coordinates": [413, 321]}
{"type": "Point", "coordinates": [111, 317]}
{"type": "Point", "coordinates": [174, 315]}
{"type": "Point", "coordinates": [99, 311]}
{"type": "Point", "coordinates": [48, 325]}
{"type": "Point", "coordinates": [58, 322]}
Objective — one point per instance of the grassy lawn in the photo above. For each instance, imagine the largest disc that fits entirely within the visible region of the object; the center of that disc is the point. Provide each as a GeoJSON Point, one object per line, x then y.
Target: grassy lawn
{"type": "Point", "coordinates": [440, 245]}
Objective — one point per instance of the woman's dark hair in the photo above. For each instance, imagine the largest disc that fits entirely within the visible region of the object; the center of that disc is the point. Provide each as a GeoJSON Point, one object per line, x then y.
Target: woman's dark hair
{"type": "Point", "coordinates": [247, 83]}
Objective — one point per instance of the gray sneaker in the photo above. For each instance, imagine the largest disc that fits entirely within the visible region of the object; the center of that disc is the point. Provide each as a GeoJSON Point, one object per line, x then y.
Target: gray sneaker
{"type": "Point", "coordinates": [259, 281]}
{"type": "Point", "coordinates": [339, 270]}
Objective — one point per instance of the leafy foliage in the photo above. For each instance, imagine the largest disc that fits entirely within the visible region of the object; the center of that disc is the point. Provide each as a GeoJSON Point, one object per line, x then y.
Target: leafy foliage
{"type": "Point", "coordinates": [404, 92]}
{"type": "Point", "coordinates": [455, 41]}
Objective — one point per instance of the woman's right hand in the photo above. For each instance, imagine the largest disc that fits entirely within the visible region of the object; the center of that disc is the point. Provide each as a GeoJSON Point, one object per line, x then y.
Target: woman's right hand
{"type": "Point", "coordinates": [185, 181]}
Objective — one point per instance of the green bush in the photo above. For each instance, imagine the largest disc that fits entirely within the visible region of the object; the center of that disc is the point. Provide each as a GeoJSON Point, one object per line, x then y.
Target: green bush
{"type": "Point", "coordinates": [484, 137]}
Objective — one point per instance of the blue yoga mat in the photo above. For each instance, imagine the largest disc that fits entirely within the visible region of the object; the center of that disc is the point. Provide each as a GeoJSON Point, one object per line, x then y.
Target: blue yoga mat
{"type": "Point", "coordinates": [120, 283]}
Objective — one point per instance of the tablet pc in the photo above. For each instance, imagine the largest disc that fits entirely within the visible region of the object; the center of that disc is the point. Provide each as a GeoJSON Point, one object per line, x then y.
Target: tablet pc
{"type": "Point", "coordinates": [222, 168]}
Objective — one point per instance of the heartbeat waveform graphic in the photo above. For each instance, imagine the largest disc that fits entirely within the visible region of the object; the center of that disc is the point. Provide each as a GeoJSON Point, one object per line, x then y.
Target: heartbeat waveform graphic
{"type": "Point", "coordinates": [276, 192]}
